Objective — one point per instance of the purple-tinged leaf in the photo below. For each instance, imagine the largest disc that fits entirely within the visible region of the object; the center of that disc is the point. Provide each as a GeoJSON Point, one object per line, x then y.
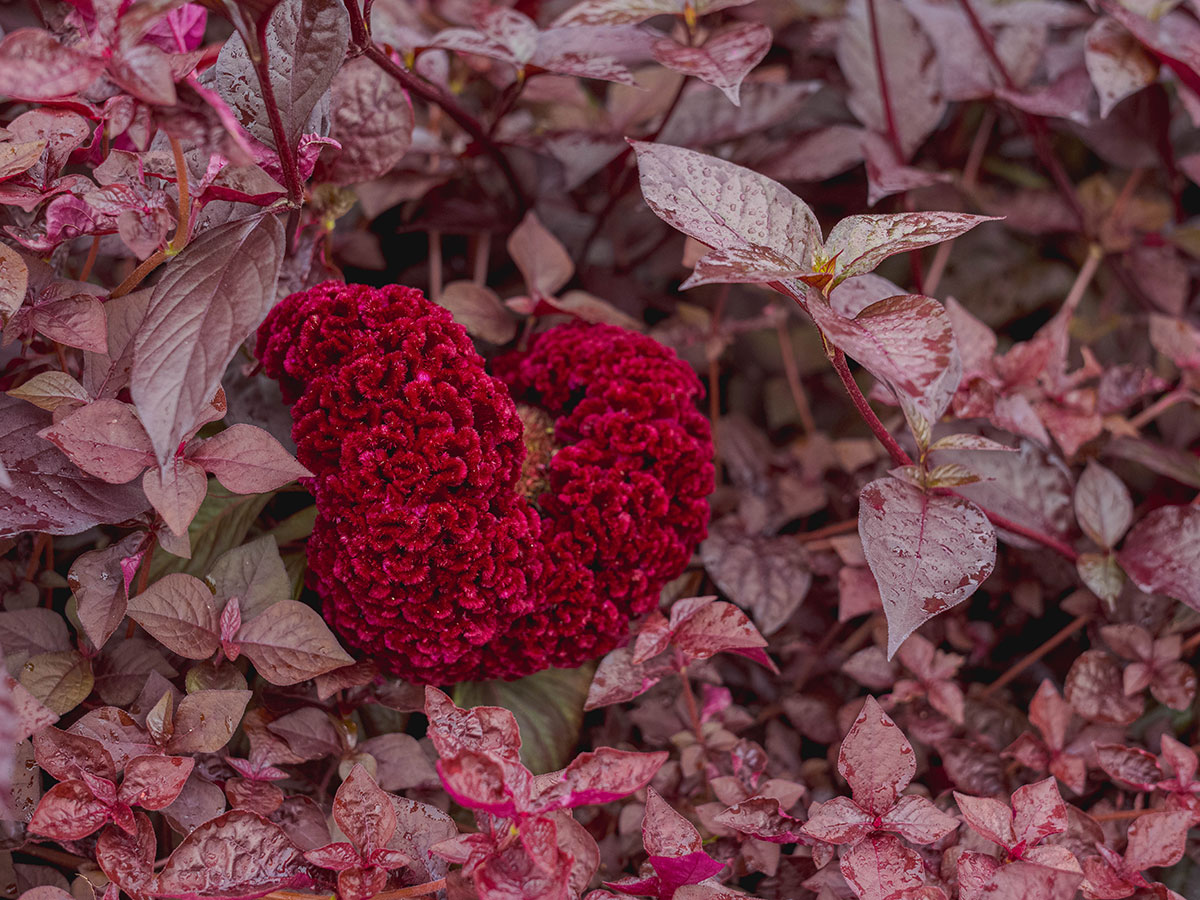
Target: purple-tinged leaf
{"type": "Point", "coordinates": [917, 820]}
{"type": "Point", "coordinates": [67, 756]}
{"type": "Point", "coordinates": [60, 681]}
{"type": "Point", "coordinates": [211, 296]}
{"type": "Point", "coordinates": [371, 120]}
{"type": "Point", "coordinates": [75, 321]}
{"type": "Point", "coordinates": [206, 721]}
{"type": "Point", "coordinates": [105, 439]}
{"type": "Point", "coordinates": [253, 573]}
{"type": "Point", "coordinates": [27, 632]}
{"type": "Point", "coordinates": [601, 776]}
{"type": "Point", "coordinates": [762, 818]}
{"type": "Point", "coordinates": [1162, 553]}
{"type": "Point", "coordinates": [665, 832]}
{"type": "Point", "coordinates": [69, 811]}
{"type": "Point", "coordinates": [99, 579]}
{"type": "Point", "coordinates": [153, 782]}
{"type": "Point", "coordinates": [176, 490]}
{"type": "Point", "coordinates": [306, 45]}
{"type": "Point", "coordinates": [144, 71]}
{"type": "Point", "coordinates": [29, 716]}
{"type": "Point", "coordinates": [1038, 811]}
{"type": "Point", "coordinates": [914, 103]}
{"type": "Point", "coordinates": [881, 867]}
{"type": "Point", "coordinates": [887, 174]}
{"type": "Point", "coordinates": [419, 827]}
{"type": "Point", "coordinates": [980, 877]}
{"type": "Point", "coordinates": [723, 61]}
{"type": "Point", "coordinates": [14, 279]}
{"type": "Point", "coordinates": [34, 66]}
{"type": "Point", "coordinates": [128, 860]}
{"type": "Point", "coordinates": [928, 552]}
{"type": "Point", "coordinates": [479, 310]}
{"type": "Point", "coordinates": [180, 612]}
{"type": "Point", "coordinates": [543, 260]}
{"type": "Point", "coordinates": [1102, 505]}
{"type": "Point", "coordinates": [766, 575]}
{"type": "Point", "coordinates": [238, 854]}
{"type": "Point", "coordinates": [50, 390]}
{"type": "Point", "coordinates": [858, 244]}
{"type": "Point", "coordinates": [364, 812]}
{"type": "Point", "coordinates": [907, 342]}
{"type": "Point", "coordinates": [839, 821]}
{"type": "Point", "coordinates": [122, 738]}
{"type": "Point", "coordinates": [1116, 62]}
{"type": "Point", "coordinates": [289, 642]}
{"type": "Point", "coordinates": [400, 761]}
{"type": "Point", "coordinates": [337, 857]}
{"type": "Point", "coordinates": [726, 206]}
{"type": "Point", "coordinates": [310, 733]}
{"type": "Point", "coordinates": [876, 759]}
{"type": "Point", "coordinates": [247, 460]}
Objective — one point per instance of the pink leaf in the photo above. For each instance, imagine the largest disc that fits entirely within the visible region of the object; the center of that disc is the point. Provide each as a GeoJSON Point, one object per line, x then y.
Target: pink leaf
{"type": "Point", "coordinates": [1157, 839]}
{"type": "Point", "coordinates": [105, 439]}
{"type": "Point", "coordinates": [618, 679]}
{"type": "Point", "coordinates": [762, 818]}
{"type": "Point", "coordinates": [1095, 691]}
{"type": "Point", "coordinates": [839, 821]}
{"type": "Point", "coordinates": [1162, 553]}
{"type": "Point", "coordinates": [928, 552]}
{"type": "Point", "coordinates": [483, 729]}
{"type": "Point", "coordinates": [675, 871]}
{"type": "Point", "coordinates": [75, 321]}
{"type": "Point", "coordinates": [722, 61]}
{"type": "Point", "coordinates": [238, 854]}
{"type": "Point", "coordinates": [881, 867]}
{"type": "Point", "coordinates": [34, 66]}
{"type": "Point", "coordinates": [717, 628]}
{"type": "Point", "coordinates": [153, 782]}
{"type": "Point", "coordinates": [180, 612]}
{"type": "Point", "coordinates": [916, 819]}
{"type": "Point", "coordinates": [601, 776]}
{"type": "Point", "coordinates": [481, 782]}
{"type": "Point", "coordinates": [988, 817]}
{"type": "Point", "coordinates": [176, 490]}
{"type": "Point", "coordinates": [339, 857]}
{"type": "Point", "coordinates": [97, 579]}
{"type": "Point", "coordinates": [364, 812]}
{"type": "Point", "coordinates": [981, 878]}
{"type": "Point", "coordinates": [1038, 812]}
{"type": "Point", "coordinates": [876, 760]}
{"type": "Point", "coordinates": [211, 296]}
{"type": "Point", "coordinates": [129, 859]}
{"type": "Point", "coordinates": [371, 120]}
{"type": "Point", "coordinates": [665, 832]}
{"type": "Point", "coordinates": [621, 12]}
{"type": "Point", "coordinates": [66, 756]}
{"type": "Point", "coordinates": [68, 812]}
{"type": "Point", "coordinates": [246, 460]}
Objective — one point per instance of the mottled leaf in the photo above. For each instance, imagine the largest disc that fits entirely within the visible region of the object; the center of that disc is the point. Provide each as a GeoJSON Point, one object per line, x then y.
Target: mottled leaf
{"type": "Point", "coordinates": [289, 642]}
{"type": "Point", "coordinates": [1162, 553]}
{"type": "Point", "coordinates": [722, 61]}
{"type": "Point", "coordinates": [180, 612]}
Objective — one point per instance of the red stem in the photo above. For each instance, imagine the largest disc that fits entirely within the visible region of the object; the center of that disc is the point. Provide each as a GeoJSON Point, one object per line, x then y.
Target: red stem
{"type": "Point", "coordinates": [881, 74]}
{"type": "Point", "coordinates": [287, 153]}
{"type": "Point", "coordinates": [895, 451]}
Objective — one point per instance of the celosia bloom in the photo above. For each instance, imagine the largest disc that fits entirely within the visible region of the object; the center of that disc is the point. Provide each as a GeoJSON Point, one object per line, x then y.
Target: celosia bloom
{"type": "Point", "coordinates": [435, 550]}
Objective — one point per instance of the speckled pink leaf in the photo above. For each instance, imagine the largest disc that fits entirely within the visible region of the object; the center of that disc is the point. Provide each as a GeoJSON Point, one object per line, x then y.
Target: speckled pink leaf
{"type": "Point", "coordinates": [602, 776]}
{"type": "Point", "coordinates": [128, 859]}
{"type": "Point", "coordinates": [980, 877]}
{"type": "Point", "coordinates": [1102, 505]}
{"type": "Point", "coordinates": [622, 12]}
{"type": "Point", "coordinates": [68, 811]}
{"type": "Point", "coordinates": [1095, 691]}
{"type": "Point", "coordinates": [1116, 63]}
{"type": "Point", "coordinates": [238, 854]}
{"type": "Point", "coordinates": [1157, 839]}
{"type": "Point", "coordinates": [364, 812]}
{"type": "Point", "coordinates": [619, 679]}
{"type": "Point", "coordinates": [665, 832]}
{"type": "Point", "coordinates": [34, 66]}
{"type": "Point", "coordinates": [858, 244]}
{"type": "Point", "coordinates": [483, 729]}
{"type": "Point", "coordinates": [721, 627]}
{"type": "Point", "coordinates": [153, 782]}
{"type": "Point", "coordinates": [839, 821]}
{"type": "Point", "coordinates": [876, 759]}
{"type": "Point", "coordinates": [905, 341]}
{"type": "Point", "coordinates": [722, 61]}
{"type": "Point", "coordinates": [927, 552]}
{"type": "Point", "coordinates": [726, 206]}
{"type": "Point", "coordinates": [881, 867]}
{"type": "Point", "coordinates": [1038, 811]}
{"type": "Point", "coordinates": [1162, 553]}
{"type": "Point", "coordinates": [762, 818]}
{"type": "Point", "coordinates": [916, 819]}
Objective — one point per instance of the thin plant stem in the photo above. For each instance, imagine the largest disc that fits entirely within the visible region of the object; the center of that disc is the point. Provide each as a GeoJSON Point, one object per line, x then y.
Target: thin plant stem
{"type": "Point", "coordinates": [483, 250]}
{"type": "Point", "coordinates": [90, 262]}
{"type": "Point", "coordinates": [689, 699]}
{"type": "Point", "coordinates": [895, 451]}
{"type": "Point", "coordinates": [970, 175]}
{"type": "Point", "coordinates": [287, 153]}
{"type": "Point", "coordinates": [1161, 405]}
{"type": "Point", "coordinates": [435, 265]}
{"type": "Point", "coordinates": [417, 890]}
{"type": "Point", "coordinates": [1053, 543]}
{"type": "Point", "coordinates": [183, 226]}
{"type": "Point", "coordinates": [138, 275]}
{"type": "Point", "coordinates": [1121, 815]}
{"type": "Point", "coordinates": [881, 74]}
{"type": "Point", "coordinates": [1190, 644]}
{"type": "Point", "coordinates": [1033, 656]}
{"type": "Point", "coordinates": [792, 371]}
{"type": "Point", "coordinates": [846, 526]}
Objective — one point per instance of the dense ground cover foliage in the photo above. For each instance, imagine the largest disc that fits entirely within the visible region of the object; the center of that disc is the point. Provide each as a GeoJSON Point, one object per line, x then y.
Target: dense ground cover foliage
{"type": "Point", "coordinates": [920, 270]}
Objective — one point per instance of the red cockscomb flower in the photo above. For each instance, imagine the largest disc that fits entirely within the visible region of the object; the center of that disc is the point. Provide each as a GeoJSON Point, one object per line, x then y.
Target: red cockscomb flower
{"type": "Point", "coordinates": [438, 548]}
